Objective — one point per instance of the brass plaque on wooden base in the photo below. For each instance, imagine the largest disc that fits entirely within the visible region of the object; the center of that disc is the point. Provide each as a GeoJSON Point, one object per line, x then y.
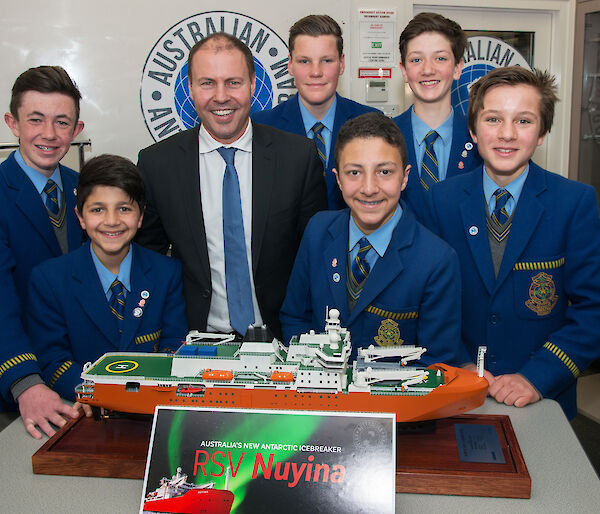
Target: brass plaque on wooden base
{"type": "Point", "coordinates": [112, 448]}
{"type": "Point", "coordinates": [428, 462]}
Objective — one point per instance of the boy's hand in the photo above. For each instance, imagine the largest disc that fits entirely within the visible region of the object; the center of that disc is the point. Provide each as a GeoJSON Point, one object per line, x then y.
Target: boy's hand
{"type": "Point", "coordinates": [87, 409]}
{"type": "Point", "coordinates": [513, 389]}
{"type": "Point", "coordinates": [39, 406]}
{"type": "Point", "coordinates": [486, 374]}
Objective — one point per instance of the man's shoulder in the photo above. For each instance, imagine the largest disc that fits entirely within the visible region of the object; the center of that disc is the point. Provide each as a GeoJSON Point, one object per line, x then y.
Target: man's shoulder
{"type": "Point", "coordinates": [184, 137]}
{"type": "Point", "coordinates": [57, 268]}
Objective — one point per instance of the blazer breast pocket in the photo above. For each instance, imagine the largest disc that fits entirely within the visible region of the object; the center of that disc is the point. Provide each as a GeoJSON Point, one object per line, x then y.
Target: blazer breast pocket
{"type": "Point", "coordinates": [539, 287]}
{"type": "Point", "coordinates": [388, 327]}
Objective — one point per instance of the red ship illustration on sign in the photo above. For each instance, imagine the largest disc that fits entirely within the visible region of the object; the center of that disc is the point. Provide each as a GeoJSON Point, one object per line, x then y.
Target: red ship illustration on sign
{"type": "Point", "coordinates": [313, 373]}
{"type": "Point", "coordinates": [177, 495]}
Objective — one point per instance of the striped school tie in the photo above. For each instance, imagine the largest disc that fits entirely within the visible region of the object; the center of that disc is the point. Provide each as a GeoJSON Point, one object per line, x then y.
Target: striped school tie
{"type": "Point", "coordinates": [57, 217]}
{"type": "Point", "coordinates": [500, 215]}
{"type": "Point", "coordinates": [359, 270]}
{"type": "Point", "coordinates": [429, 167]}
{"type": "Point", "coordinates": [117, 300]}
{"type": "Point", "coordinates": [320, 142]}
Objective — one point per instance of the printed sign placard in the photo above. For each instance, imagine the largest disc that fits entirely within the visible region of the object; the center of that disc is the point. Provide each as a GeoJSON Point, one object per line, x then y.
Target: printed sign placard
{"type": "Point", "coordinates": [243, 461]}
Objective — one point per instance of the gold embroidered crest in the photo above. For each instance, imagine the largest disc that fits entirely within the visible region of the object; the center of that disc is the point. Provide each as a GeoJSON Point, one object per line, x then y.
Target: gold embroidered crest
{"type": "Point", "coordinates": [388, 334]}
{"type": "Point", "coordinates": [542, 297]}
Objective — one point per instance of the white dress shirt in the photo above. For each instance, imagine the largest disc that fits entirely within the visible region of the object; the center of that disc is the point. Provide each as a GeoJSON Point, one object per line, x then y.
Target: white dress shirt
{"type": "Point", "coordinates": [212, 170]}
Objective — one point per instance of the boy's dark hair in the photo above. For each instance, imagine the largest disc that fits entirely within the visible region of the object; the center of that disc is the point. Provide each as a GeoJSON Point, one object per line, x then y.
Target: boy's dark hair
{"type": "Point", "coordinates": [223, 41]}
{"type": "Point", "coordinates": [434, 22]}
{"type": "Point", "coordinates": [44, 79]}
{"type": "Point", "coordinates": [316, 25]}
{"type": "Point", "coordinates": [371, 124]}
{"type": "Point", "coordinates": [114, 171]}
{"type": "Point", "coordinates": [542, 81]}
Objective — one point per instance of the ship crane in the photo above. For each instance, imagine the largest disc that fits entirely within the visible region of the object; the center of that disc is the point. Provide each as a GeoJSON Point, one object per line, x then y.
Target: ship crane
{"type": "Point", "coordinates": [407, 377]}
{"type": "Point", "coordinates": [405, 353]}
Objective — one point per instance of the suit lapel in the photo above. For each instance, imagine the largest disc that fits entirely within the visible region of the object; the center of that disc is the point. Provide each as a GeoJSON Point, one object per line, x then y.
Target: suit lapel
{"type": "Point", "coordinates": [186, 170]}
{"type": "Point", "coordinates": [28, 201]}
{"type": "Point", "coordinates": [388, 267]}
{"type": "Point", "coordinates": [335, 260]}
{"type": "Point", "coordinates": [264, 162]}
{"type": "Point", "coordinates": [90, 295]}
{"type": "Point", "coordinates": [527, 215]}
{"type": "Point", "coordinates": [472, 211]}
{"type": "Point", "coordinates": [459, 137]}
{"type": "Point", "coordinates": [414, 191]}
{"type": "Point", "coordinates": [140, 281]}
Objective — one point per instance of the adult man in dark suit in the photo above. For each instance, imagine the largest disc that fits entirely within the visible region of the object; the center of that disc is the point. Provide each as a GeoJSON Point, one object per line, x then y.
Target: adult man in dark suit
{"type": "Point", "coordinates": [279, 187]}
{"type": "Point", "coordinates": [316, 62]}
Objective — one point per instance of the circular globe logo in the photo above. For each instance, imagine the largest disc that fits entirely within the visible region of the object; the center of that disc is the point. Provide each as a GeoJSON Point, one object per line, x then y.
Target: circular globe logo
{"type": "Point", "coordinates": [483, 54]}
{"type": "Point", "coordinates": [165, 100]}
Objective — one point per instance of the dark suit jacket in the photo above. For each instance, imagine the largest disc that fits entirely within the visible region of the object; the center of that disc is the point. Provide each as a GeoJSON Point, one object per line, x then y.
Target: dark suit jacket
{"type": "Point", "coordinates": [26, 239]}
{"type": "Point", "coordinates": [540, 316]}
{"type": "Point", "coordinates": [287, 116]}
{"type": "Point", "coordinates": [462, 144]}
{"type": "Point", "coordinates": [70, 321]}
{"type": "Point", "coordinates": [287, 189]}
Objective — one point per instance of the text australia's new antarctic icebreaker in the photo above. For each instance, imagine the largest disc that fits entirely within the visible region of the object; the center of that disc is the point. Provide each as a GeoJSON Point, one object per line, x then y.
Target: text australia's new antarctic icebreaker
{"type": "Point", "coordinates": [212, 370]}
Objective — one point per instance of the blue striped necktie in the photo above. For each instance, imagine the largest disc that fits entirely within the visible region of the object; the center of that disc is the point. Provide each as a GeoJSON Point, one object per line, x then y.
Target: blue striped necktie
{"type": "Point", "coordinates": [500, 214]}
{"type": "Point", "coordinates": [429, 167]}
{"type": "Point", "coordinates": [237, 276]}
{"type": "Point", "coordinates": [359, 270]}
{"type": "Point", "coordinates": [320, 142]}
{"type": "Point", "coordinates": [54, 213]}
{"type": "Point", "coordinates": [117, 299]}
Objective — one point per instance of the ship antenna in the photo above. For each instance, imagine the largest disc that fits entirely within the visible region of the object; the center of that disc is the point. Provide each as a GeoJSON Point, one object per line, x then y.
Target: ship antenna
{"type": "Point", "coordinates": [480, 360]}
{"type": "Point", "coordinates": [227, 477]}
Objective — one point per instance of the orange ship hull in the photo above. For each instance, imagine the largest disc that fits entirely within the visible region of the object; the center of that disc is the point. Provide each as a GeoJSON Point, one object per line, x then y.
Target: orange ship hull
{"type": "Point", "coordinates": [462, 391]}
{"type": "Point", "coordinates": [196, 501]}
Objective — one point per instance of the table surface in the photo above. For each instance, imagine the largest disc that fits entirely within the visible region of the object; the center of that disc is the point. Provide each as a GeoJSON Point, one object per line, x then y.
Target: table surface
{"type": "Point", "coordinates": [562, 478]}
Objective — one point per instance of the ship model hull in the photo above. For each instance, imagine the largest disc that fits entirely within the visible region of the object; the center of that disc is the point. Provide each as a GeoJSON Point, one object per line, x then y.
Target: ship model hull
{"type": "Point", "coordinates": [312, 373]}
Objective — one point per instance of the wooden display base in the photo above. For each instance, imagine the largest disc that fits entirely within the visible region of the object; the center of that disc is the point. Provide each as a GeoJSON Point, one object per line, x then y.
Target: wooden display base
{"type": "Point", "coordinates": [113, 448]}
{"type": "Point", "coordinates": [428, 462]}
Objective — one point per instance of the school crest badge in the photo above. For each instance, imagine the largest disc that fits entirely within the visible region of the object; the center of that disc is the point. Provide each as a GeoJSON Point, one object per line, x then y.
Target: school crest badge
{"type": "Point", "coordinates": [388, 334]}
{"type": "Point", "coordinates": [542, 294]}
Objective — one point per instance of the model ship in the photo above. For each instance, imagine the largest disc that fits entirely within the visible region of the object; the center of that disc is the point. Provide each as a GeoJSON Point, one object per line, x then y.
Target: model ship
{"type": "Point", "coordinates": [176, 494]}
{"type": "Point", "coordinates": [313, 373]}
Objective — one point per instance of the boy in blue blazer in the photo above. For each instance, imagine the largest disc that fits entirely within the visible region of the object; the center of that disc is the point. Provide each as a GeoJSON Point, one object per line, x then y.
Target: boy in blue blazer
{"type": "Point", "coordinates": [316, 62]}
{"type": "Point", "coordinates": [528, 241]}
{"type": "Point", "coordinates": [392, 280]}
{"type": "Point", "coordinates": [437, 137]}
{"type": "Point", "coordinates": [109, 295]}
{"type": "Point", "coordinates": [37, 222]}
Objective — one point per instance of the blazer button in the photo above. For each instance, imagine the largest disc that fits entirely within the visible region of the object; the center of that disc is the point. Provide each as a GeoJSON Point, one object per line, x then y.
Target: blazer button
{"type": "Point", "coordinates": [493, 319]}
{"type": "Point", "coordinates": [206, 293]}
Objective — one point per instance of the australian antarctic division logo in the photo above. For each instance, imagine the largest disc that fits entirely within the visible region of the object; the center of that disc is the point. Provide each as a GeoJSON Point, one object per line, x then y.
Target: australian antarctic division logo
{"type": "Point", "coordinates": [164, 95]}
{"type": "Point", "coordinates": [483, 54]}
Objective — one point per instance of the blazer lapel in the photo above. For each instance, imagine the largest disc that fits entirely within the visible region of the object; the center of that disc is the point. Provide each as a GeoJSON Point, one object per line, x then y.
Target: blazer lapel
{"type": "Point", "coordinates": [140, 281]}
{"type": "Point", "coordinates": [91, 296]}
{"type": "Point", "coordinates": [388, 267]}
{"type": "Point", "coordinates": [414, 190]}
{"type": "Point", "coordinates": [264, 164]}
{"type": "Point", "coordinates": [341, 116]}
{"type": "Point", "coordinates": [293, 117]}
{"type": "Point", "coordinates": [335, 260]}
{"type": "Point", "coordinates": [28, 201]}
{"type": "Point", "coordinates": [457, 147]}
{"type": "Point", "coordinates": [472, 211]}
{"type": "Point", "coordinates": [73, 228]}
{"type": "Point", "coordinates": [527, 214]}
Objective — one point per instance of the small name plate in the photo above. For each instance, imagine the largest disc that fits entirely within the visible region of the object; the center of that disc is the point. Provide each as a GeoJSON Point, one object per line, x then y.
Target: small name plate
{"type": "Point", "coordinates": [478, 443]}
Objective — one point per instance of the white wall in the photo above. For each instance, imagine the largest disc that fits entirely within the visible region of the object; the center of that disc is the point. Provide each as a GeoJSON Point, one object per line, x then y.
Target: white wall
{"type": "Point", "coordinates": [104, 45]}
